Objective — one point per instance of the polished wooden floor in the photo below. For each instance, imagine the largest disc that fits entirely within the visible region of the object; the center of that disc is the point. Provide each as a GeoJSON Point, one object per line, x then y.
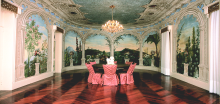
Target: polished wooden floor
{"type": "Point", "coordinates": [72, 88]}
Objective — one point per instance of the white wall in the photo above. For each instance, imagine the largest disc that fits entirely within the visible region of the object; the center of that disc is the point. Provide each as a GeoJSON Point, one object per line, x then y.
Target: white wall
{"type": "Point", "coordinates": [7, 49]}
{"type": "Point", "coordinates": [58, 52]}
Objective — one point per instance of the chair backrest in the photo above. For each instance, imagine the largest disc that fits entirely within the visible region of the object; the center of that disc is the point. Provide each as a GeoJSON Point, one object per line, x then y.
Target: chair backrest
{"type": "Point", "coordinates": [131, 68]}
{"type": "Point", "coordinates": [92, 63]}
{"type": "Point", "coordinates": [90, 68]}
{"type": "Point", "coordinates": [129, 63]}
{"type": "Point", "coordinates": [115, 62]}
{"type": "Point", "coordinates": [110, 69]}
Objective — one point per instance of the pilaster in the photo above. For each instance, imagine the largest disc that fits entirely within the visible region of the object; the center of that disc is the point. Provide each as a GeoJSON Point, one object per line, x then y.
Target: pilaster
{"type": "Point", "coordinates": [37, 68]}
{"type": "Point", "coordinates": [112, 49]}
{"type": "Point", "coordinates": [141, 54]}
{"type": "Point", "coordinates": [83, 53]}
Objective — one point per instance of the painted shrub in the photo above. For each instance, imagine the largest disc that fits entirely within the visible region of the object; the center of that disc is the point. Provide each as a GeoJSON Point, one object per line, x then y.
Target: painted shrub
{"type": "Point", "coordinates": [97, 46]}
{"type": "Point", "coordinates": [188, 50]}
{"type": "Point", "coordinates": [73, 48]}
{"type": "Point", "coordinates": [151, 49]}
{"type": "Point", "coordinates": [126, 46]}
{"type": "Point", "coordinates": [36, 45]}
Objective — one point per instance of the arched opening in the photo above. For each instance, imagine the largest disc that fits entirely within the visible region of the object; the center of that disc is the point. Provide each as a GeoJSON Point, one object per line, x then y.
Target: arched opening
{"type": "Point", "coordinates": [151, 49]}
{"type": "Point", "coordinates": [188, 49]}
{"type": "Point", "coordinates": [97, 46]}
{"type": "Point", "coordinates": [36, 45]}
{"type": "Point", "coordinates": [126, 48]}
{"type": "Point", "coordinates": [72, 49]}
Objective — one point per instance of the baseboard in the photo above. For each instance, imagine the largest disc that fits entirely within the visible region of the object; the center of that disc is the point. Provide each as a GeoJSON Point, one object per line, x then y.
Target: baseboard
{"type": "Point", "coordinates": [31, 79]}
{"type": "Point", "coordinates": [74, 68]}
{"type": "Point", "coordinates": [153, 68]}
{"type": "Point", "coordinates": [191, 80]}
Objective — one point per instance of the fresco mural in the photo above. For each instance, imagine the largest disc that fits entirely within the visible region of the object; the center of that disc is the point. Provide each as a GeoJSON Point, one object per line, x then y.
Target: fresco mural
{"type": "Point", "coordinates": [36, 45]}
{"type": "Point", "coordinates": [188, 50]}
{"type": "Point", "coordinates": [97, 46]}
{"type": "Point", "coordinates": [73, 48]}
{"type": "Point", "coordinates": [126, 46]}
{"type": "Point", "coordinates": [151, 49]}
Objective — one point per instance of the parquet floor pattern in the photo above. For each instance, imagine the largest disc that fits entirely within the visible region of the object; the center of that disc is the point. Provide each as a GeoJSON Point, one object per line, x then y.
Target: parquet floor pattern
{"type": "Point", "coordinates": [72, 88]}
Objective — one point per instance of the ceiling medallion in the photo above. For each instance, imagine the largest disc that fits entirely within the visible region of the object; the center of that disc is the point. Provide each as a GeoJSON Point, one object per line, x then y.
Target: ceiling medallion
{"type": "Point", "coordinates": [112, 26]}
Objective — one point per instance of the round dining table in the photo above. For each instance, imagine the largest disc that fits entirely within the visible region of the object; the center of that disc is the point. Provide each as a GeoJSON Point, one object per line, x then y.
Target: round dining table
{"type": "Point", "coordinates": [99, 67]}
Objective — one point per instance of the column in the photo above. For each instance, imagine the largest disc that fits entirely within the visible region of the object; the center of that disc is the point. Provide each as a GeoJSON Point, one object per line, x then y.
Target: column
{"type": "Point", "coordinates": [63, 48]}
{"type": "Point", "coordinates": [83, 53]}
{"type": "Point", "coordinates": [112, 49]}
{"type": "Point", "coordinates": [201, 71]}
{"type": "Point", "coordinates": [206, 72]}
{"type": "Point", "coordinates": [175, 67]}
{"type": "Point", "coordinates": [8, 27]}
{"type": "Point", "coordinates": [141, 54]}
{"type": "Point", "coordinates": [71, 62]}
{"type": "Point", "coordinates": [185, 69]}
{"type": "Point", "coordinates": [49, 56]}
{"type": "Point", "coordinates": [58, 52]}
{"type": "Point", "coordinates": [37, 68]}
{"type": "Point", "coordinates": [97, 60]}
{"type": "Point", "coordinates": [22, 65]}
{"type": "Point", "coordinates": [152, 62]}
{"type": "Point", "coordinates": [54, 28]}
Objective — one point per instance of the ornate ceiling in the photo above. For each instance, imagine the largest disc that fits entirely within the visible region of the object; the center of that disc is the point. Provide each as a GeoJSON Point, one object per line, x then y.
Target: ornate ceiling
{"type": "Point", "coordinates": [94, 13]}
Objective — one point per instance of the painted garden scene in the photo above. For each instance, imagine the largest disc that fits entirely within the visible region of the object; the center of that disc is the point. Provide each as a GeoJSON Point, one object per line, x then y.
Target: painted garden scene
{"type": "Point", "coordinates": [97, 47]}
{"type": "Point", "coordinates": [188, 50]}
{"type": "Point", "coordinates": [73, 49]}
{"type": "Point", "coordinates": [36, 45]}
{"type": "Point", "coordinates": [151, 49]}
{"type": "Point", "coordinates": [126, 47]}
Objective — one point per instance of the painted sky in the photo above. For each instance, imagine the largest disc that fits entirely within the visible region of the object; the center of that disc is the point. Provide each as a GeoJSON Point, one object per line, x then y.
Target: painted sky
{"type": "Point", "coordinates": [125, 11]}
{"type": "Point", "coordinates": [97, 42]}
{"type": "Point", "coordinates": [39, 21]}
{"type": "Point", "coordinates": [127, 42]}
{"type": "Point", "coordinates": [148, 47]}
{"type": "Point", "coordinates": [189, 22]}
{"type": "Point", "coordinates": [70, 39]}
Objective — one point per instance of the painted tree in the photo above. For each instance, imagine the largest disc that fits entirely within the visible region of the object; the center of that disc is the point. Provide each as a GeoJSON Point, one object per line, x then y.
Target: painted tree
{"type": "Point", "coordinates": [154, 39]}
{"type": "Point", "coordinates": [194, 54]}
{"type": "Point", "coordinates": [32, 38]}
{"type": "Point", "coordinates": [66, 57]}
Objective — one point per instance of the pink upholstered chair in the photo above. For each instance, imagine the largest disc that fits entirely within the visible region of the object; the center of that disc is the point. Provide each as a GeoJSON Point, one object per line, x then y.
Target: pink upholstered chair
{"type": "Point", "coordinates": [110, 77]}
{"type": "Point", "coordinates": [94, 78]}
{"type": "Point", "coordinates": [92, 63]}
{"type": "Point", "coordinates": [127, 78]}
{"type": "Point", "coordinates": [129, 63]}
{"type": "Point", "coordinates": [115, 62]}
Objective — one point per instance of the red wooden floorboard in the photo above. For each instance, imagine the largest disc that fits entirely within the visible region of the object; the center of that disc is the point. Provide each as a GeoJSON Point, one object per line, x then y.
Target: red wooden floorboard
{"type": "Point", "coordinates": [72, 88]}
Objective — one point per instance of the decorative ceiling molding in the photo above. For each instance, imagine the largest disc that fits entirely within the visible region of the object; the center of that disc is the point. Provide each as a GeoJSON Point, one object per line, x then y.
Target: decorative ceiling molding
{"type": "Point", "coordinates": [164, 30]}
{"type": "Point", "coordinates": [10, 6]}
{"type": "Point", "coordinates": [156, 13]}
{"type": "Point", "coordinates": [213, 7]}
{"type": "Point", "coordinates": [60, 29]}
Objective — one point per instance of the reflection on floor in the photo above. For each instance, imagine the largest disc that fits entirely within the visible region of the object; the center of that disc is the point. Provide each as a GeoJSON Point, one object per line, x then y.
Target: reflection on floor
{"type": "Point", "coordinates": [71, 87]}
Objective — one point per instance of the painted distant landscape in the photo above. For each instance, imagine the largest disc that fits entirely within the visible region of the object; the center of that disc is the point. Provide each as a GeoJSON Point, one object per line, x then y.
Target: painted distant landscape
{"type": "Point", "coordinates": [36, 45]}
{"type": "Point", "coordinates": [97, 46]}
{"type": "Point", "coordinates": [73, 48]}
{"type": "Point", "coordinates": [188, 50]}
{"type": "Point", "coordinates": [126, 46]}
{"type": "Point", "coordinates": [151, 49]}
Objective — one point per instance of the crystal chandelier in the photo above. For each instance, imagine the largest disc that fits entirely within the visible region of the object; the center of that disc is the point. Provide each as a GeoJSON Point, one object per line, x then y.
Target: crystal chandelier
{"type": "Point", "coordinates": [112, 26]}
